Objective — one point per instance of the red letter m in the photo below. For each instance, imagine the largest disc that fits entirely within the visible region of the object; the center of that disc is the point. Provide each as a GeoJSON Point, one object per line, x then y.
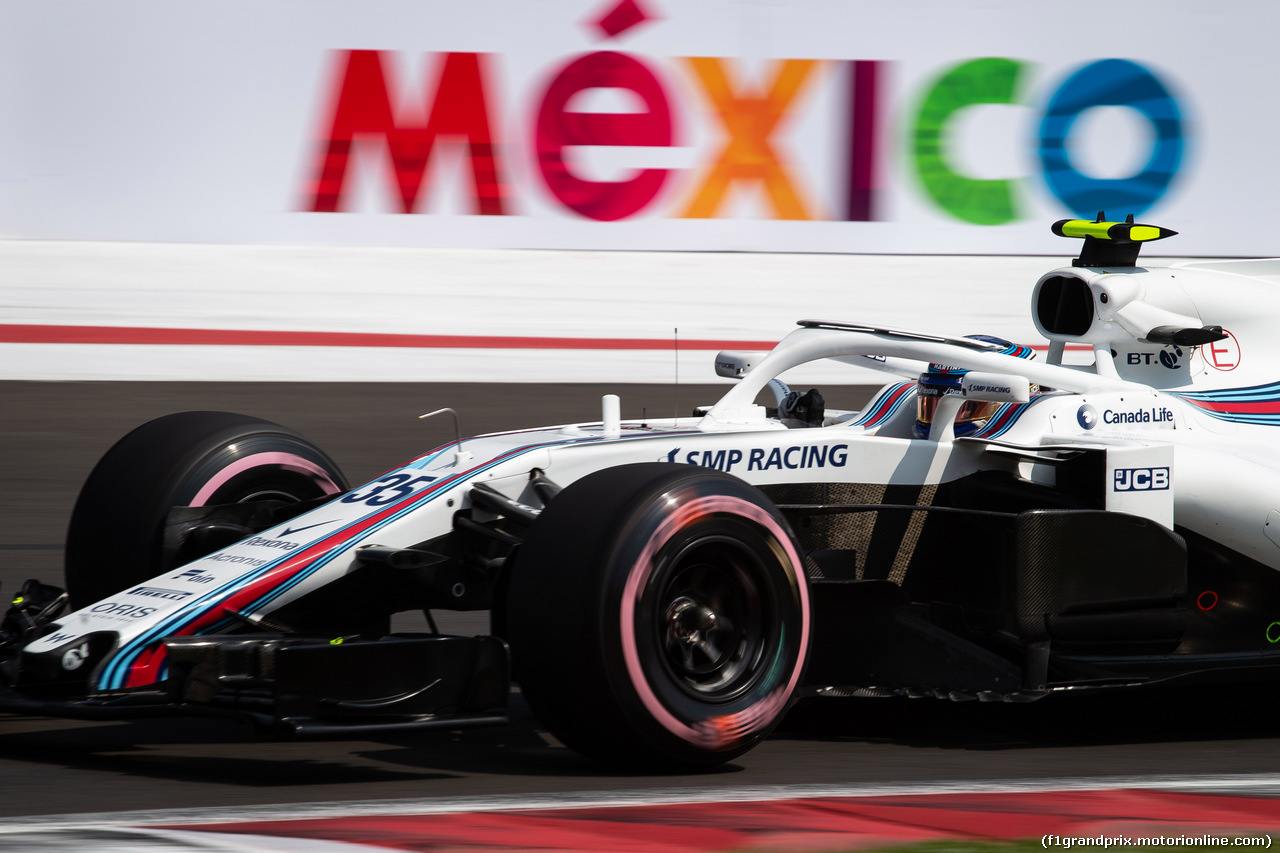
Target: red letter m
{"type": "Point", "coordinates": [363, 108]}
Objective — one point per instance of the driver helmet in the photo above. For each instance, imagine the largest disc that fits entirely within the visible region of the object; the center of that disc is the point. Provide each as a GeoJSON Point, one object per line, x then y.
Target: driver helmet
{"type": "Point", "coordinates": [941, 380]}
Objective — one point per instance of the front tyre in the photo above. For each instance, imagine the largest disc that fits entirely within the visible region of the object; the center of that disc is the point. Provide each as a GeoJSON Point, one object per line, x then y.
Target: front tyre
{"type": "Point", "coordinates": [658, 616]}
{"type": "Point", "coordinates": [115, 538]}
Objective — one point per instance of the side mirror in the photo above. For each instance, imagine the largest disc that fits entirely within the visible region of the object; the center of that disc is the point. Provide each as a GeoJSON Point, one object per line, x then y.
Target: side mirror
{"type": "Point", "coordinates": [981, 387]}
{"type": "Point", "coordinates": [734, 364]}
{"type": "Point", "coordinates": [995, 387]}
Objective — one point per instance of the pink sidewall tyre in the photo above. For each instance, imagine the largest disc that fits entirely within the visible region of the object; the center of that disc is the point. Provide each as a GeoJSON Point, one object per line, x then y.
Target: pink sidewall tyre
{"type": "Point", "coordinates": [115, 536]}
{"type": "Point", "coordinates": [658, 616]}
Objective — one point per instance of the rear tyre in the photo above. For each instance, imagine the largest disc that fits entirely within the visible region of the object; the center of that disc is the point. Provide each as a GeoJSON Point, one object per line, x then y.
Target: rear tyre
{"type": "Point", "coordinates": [188, 459]}
{"type": "Point", "coordinates": [658, 616]}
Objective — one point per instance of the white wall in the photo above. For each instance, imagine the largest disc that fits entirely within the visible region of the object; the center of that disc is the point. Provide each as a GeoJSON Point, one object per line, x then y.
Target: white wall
{"type": "Point", "coordinates": [553, 303]}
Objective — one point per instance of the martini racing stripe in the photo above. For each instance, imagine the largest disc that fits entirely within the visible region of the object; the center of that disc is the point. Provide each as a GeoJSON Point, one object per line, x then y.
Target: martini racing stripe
{"type": "Point", "coordinates": [1256, 404]}
{"type": "Point", "coordinates": [1268, 392]}
{"type": "Point", "coordinates": [1004, 418]}
{"type": "Point", "coordinates": [130, 667]}
{"type": "Point", "coordinates": [884, 406]}
{"type": "Point", "coordinates": [114, 673]}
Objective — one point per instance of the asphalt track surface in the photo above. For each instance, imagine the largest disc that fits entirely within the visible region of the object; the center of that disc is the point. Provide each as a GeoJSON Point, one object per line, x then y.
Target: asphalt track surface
{"type": "Point", "coordinates": [52, 433]}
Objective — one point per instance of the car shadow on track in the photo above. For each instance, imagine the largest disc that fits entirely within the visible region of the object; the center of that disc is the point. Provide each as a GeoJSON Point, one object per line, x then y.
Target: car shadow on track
{"type": "Point", "coordinates": [223, 752]}
{"type": "Point", "coordinates": [196, 755]}
{"type": "Point", "coordinates": [203, 751]}
{"type": "Point", "coordinates": [1094, 718]}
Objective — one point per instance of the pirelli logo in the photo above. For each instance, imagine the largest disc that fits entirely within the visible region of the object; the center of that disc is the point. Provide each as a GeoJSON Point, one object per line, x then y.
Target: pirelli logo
{"type": "Point", "coordinates": [159, 592]}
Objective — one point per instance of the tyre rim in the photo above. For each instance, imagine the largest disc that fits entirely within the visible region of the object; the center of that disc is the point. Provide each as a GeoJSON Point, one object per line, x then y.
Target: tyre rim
{"type": "Point", "coordinates": [712, 619]}
{"type": "Point", "coordinates": [263, 472]}
{"type": "Point", "coordinates": [272, 494]}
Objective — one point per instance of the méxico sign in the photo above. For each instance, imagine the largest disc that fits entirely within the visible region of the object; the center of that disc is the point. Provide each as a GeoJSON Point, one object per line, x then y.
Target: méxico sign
{"type": "Point", "coordinates": [790, 125]}
{"type": "Point", "coordinates": [457, 104]}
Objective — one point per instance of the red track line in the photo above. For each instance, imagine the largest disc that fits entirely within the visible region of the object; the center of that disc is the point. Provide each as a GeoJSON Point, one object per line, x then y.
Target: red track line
{"type": "Point", "coordinates": [16, 333]}
{"type": "Point", "coordinates": [13, 333]}
{"type": "Point", "coordinates": [827, 823]}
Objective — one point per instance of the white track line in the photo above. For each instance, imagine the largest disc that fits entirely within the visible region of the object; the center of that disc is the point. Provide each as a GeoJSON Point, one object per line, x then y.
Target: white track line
{"type": "Point", "coordinates": [1267, 785]}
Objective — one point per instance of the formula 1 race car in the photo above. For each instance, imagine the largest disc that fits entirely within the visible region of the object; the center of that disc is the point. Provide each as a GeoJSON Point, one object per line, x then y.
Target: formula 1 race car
{"type": "Point", "coordinates": [990, 526]}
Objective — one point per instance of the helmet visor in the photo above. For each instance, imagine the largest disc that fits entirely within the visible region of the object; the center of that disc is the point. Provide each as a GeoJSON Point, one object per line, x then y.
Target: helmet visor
{"type": "Point", "coordinates": [971, 411]}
